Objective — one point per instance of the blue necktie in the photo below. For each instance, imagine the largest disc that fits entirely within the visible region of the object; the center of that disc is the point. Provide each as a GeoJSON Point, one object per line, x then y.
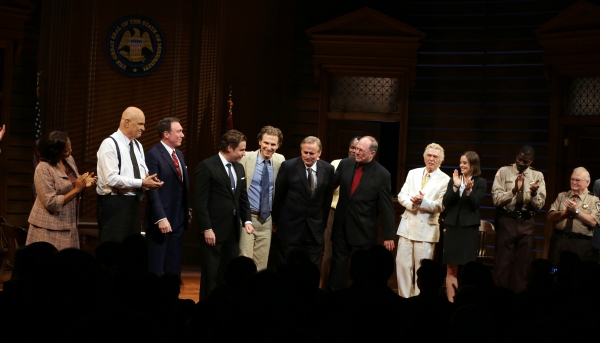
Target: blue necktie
{"type": "Point", "coordinates": [231, 180]}
{"type": "Point", "coordinates": [265, 203]}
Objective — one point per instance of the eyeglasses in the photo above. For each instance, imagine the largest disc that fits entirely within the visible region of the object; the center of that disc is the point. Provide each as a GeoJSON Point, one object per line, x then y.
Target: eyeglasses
{"type": "Point", "coordinates": [577, 180]}
{"type": "Point", "coordinates": [360, 151]}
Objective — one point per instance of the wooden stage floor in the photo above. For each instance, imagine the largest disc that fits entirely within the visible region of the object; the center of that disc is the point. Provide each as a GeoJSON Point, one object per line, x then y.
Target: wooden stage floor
{"type": "Point", "coordinates": [190, 277]}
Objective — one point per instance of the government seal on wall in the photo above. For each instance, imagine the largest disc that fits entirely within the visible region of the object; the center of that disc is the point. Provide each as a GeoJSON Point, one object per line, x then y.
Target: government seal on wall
{"type": "Point", "coordinates": [135, 46]}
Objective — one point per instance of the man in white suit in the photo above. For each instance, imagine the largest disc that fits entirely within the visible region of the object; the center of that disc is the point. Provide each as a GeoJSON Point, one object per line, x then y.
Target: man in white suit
{"type": "Point", "coordinates": [421, 196]}
{"type": "Point", "coordinates": [261, 168]}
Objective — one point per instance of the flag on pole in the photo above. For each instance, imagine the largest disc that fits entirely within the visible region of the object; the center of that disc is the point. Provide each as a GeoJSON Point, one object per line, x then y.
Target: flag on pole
{"type": "Point", "coordinates": [230, 116]}
{"type": "Point", "coordinates": [37, 130]}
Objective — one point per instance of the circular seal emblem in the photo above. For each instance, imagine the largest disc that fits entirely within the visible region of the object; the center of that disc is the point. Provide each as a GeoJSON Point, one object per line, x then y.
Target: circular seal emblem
{"type": "Point", "coordinates": [135, 46]}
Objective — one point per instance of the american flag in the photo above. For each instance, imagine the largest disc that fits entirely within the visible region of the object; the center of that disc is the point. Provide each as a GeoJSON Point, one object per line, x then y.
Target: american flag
{"type": "Point", "coordinates": [230, 116]}
{"type": "Point", "coordinates": [37, 130]}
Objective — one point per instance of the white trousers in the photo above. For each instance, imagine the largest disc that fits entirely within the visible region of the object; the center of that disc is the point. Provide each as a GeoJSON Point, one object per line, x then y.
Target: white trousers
{"type": "Point", "coordinates": [408, 260]}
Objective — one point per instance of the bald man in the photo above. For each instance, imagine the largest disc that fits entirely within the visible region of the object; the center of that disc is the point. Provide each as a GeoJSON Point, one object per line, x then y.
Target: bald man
{"type": "Point", "coordinates": [122, 176]}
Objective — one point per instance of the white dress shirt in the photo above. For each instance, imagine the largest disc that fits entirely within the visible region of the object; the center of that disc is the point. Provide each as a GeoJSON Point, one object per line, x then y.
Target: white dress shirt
{"type": "Point", "coordinates": [109, 180]}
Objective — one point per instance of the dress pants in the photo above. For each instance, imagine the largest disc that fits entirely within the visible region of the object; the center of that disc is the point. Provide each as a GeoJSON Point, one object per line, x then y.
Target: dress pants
{"type": "Point", "coordinates": [327, 251]}
{"type": "Point", "coordinates": [408, 261]}
{"type": "Point", "coordinates": [165, 249]}
{"type": "Point", "coordinates": [580, 247]}
{"type": "Point", "coordinates": [119, 216]}
{"type": "Point", "coordinates": [307, 242]}
{"type": "Point", "coordinates": [514, 245]}
{"type": "Point", "coordinates": [257, 245]}
{"type": "Point", "coordinates": [215, 260]}
{"type": "Point", "coordinates": [339, 275]}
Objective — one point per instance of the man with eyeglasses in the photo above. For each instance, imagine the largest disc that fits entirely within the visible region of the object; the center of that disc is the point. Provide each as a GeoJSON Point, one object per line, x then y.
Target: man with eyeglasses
{"type": "Point", "coordinates": [518, 192]}
{"type": "Point", "coordinates": [574, 214]}
{"type": "Point", "coordinates": [365, 192]}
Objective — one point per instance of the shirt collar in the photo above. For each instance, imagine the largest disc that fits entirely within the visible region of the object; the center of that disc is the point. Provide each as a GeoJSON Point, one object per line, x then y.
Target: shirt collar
{"type": "Point", "coordinates": [121, 136]}
{"type": "Point", "coordinates": [516, 171]}
{"type": "Point", "coordinates": [223, 160]}
{"type": "Point", "coordinates": [260, 159]}
{"type": "Point", "coordinates": [169, 149]}
{"type": "Point", "coordinates": [584, 193]}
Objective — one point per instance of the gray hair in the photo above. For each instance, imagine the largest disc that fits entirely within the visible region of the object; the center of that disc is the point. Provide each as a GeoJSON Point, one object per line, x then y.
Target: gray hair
{"type": "Point", "coordinates": [435, 146]}
{"type": "Point", "coordinates": [582, 169]}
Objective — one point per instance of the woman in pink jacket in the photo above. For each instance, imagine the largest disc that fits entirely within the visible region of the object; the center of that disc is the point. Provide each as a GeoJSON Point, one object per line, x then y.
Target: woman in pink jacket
{"type": "Point", "coordinates": [58, 185]}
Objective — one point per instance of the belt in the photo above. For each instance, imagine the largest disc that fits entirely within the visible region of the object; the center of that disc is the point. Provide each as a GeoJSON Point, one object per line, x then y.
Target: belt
{"type": "Point", "coordinates": [572, 235]}
{"type": "Point", "coordinates": [257, 214]}
{"type": "Point", "coordinates": [517, 214]}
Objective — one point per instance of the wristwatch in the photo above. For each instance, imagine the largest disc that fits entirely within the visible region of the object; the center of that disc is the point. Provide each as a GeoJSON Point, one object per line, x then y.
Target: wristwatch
{"type": "Point", "coordinates": [577, 211]}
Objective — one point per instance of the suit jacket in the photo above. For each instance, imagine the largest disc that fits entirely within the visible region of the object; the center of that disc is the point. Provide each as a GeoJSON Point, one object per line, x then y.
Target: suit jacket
{"type": "Point", "coordinates": [463, 210]}
{"type": "Point", "coordinates": [359, 213]}
{"type": "Point", "coordinates": [294, 210]}
{"type": "Point", "coordinates": [249, 163]}
{"type": "Point", "coordinates": [420, 223]}
{"type": "Point", "coordinates": [213, 200]}
{"type": "Point", "coordinates": [51, 185]}
{"type": "Point", "coordinates": [168, 200]}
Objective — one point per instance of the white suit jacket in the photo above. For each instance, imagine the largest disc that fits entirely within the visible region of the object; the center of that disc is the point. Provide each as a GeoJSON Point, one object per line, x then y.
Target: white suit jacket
{"type": "Point", "coordinates": [420, 222]}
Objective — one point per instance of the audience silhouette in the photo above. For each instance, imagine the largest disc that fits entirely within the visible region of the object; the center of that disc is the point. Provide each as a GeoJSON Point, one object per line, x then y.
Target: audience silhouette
{"type": "Point", "coordinates": [72, 296]}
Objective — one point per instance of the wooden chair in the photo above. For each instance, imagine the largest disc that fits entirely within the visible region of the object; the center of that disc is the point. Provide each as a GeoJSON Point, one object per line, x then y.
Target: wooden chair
{"type": "Point", "coordinates": [3, 249]}
{"type": "Point", "coordinates": [15, 237]}
{"type": "Point", "coordinates": [485, 255]}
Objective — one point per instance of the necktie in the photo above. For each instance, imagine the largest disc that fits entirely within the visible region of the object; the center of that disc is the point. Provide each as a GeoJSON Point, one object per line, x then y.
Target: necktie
{"type": "Point", "coordinates": [176, 162]}
{"type": "Point", "coordinates": [265, 203]}
{"type": "Point", "coordinates": [311, 181]}
{"type": "Point", "coordinates": [519, 200]}
{"type": "Point", "coordinates": [424, 181]}
{"type": "Point", "coordinates": [231, 180]}
{"type": "Point", "coordinates": [356, 179]}
{"type": "Point", "coordinates": [139, 193]}
{"type": "Point", "coordinates": [569, 223]}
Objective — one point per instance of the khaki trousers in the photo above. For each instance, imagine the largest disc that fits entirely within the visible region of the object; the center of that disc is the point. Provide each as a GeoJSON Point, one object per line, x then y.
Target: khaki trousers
{"type": "Point", "coordinates": [256, 246]}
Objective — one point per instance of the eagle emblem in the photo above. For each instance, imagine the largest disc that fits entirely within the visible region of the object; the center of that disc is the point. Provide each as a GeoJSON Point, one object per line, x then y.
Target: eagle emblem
{"type": "Point", "coordinates": [135, 46]}
{"type": "Point", "coordinates": [135, 43]}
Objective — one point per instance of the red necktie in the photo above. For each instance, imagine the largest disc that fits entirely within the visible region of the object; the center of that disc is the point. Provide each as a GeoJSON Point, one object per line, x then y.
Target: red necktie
{"type": "Point", "coordinates": [176, 162]}
{"type": "Point", "coordinates": [356, 179]}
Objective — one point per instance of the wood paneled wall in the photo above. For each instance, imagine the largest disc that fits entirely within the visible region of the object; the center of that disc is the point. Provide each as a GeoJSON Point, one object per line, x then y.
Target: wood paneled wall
{"type": "Point", "coordinates": [480, 82]}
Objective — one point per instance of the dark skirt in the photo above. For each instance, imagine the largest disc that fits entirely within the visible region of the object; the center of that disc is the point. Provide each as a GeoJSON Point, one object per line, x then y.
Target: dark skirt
{"type": "Point", "coordinates": [460, 244]}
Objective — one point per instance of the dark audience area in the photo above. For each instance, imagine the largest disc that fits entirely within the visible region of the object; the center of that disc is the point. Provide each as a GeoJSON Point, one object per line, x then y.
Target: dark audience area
{"type": "Point", "coordinates": [72, 296]}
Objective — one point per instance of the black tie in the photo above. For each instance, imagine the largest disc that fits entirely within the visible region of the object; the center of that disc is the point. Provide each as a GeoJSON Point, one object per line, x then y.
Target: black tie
{"type": "Point", "coordinates": [139, 193]}
{"type": "Point", "coordinates": [231, 180]}
{"type": "Point", "coordinates": [311, 181]}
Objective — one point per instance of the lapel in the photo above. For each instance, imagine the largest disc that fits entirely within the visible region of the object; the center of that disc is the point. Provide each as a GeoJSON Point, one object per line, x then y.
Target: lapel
{"type": "Point", "coordinates": [276, 164]}
{"type": "Point", "coordinates": [250, 166]}
{"type": "Point", "coordinates": [221, 169]}
{"type": "Point", "coordinates": [168, 159]}
{"type": "Point", "coordinates": [301, 169]}
{"type": "Point", "coordinates": [182, 166]}
{"type": "Point", "coordinates": [320, 174]}
{"type": "Point", "coordinates": [348, 176]}
{"type": "Point", "coordinates": [71, 162]}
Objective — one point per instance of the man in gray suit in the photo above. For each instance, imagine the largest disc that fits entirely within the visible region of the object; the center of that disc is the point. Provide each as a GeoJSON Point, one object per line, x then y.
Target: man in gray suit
{"type": "Point", "coordinates": [261, 168]}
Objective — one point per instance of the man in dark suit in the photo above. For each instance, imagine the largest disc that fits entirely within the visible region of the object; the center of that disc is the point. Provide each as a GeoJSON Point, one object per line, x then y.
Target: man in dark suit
{"type": "Point", "coordinates": [220, 202]}
{"type": "Point", "coordinates": [167, 210]}
{"type": "Point", "coordinates": [365, 185]}
{"type": "Point", "coordinates": [303, 192]}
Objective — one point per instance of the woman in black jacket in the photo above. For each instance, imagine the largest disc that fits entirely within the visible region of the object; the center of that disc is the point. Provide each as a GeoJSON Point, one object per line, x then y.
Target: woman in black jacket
{"type": "Point", "coordinates": [462, 199]}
